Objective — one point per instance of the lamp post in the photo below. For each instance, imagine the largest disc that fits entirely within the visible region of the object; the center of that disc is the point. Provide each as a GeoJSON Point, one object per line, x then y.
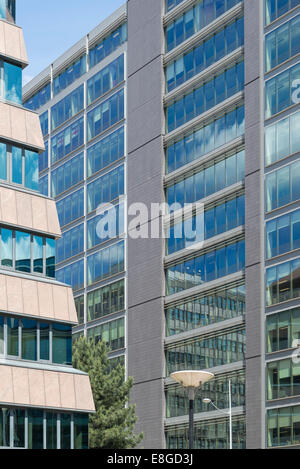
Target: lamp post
{"type": "Point", "coordinates": [229, 413]}
{"type": "Point", "coordinates": [191, 380]}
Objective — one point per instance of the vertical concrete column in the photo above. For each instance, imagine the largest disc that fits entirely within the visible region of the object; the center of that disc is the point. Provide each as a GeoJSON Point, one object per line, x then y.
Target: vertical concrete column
{"type": "Point", "coordinates": [145, 185]}
{"type": "Point", "coordinates": [254, 223]}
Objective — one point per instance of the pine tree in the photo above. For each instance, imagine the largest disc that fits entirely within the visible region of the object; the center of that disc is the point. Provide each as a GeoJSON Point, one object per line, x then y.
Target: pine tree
{"type": "Point", "coordinates": [112, 426]}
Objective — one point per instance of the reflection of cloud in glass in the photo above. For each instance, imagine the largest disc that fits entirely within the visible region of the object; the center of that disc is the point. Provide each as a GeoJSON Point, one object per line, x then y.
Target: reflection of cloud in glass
{"type": "Point", "coordinates": [12, 95]}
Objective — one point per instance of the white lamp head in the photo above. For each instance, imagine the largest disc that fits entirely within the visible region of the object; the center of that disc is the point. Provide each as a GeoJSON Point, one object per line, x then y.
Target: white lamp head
{"type": "Point", "coordinates": [192, 378]}
{"type": "Point", "coordinates": [206, 400]}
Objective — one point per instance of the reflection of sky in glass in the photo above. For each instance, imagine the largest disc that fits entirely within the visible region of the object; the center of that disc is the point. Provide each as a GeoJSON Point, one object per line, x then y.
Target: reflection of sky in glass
{"type": "Point", "coordinates": [22, 246]}
{"type": "Point", "coordinates": [13, 83]}
{"type": "Point", "coordinates": [2, 8]}
{"type": "Point", "coordinates": [3, 161]}
{"type": "Point", "coordinates": [6, 244]}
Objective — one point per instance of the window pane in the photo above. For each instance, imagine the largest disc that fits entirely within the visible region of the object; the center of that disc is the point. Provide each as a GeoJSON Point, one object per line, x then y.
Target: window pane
{"type": "Point", "coordinates": [44, 341]}
{"type": "Point", "coordinates": [16, 165]}
{"type": "Point", "coordinates": [51, 430]}
{"type": "Point", "coordinates": [3, 162]}
{"type": "Point", "coordinates": [65, 431]}
{"type": "Point", "coordinates": [35, 429]}
{"type": "Point", "coordinates": [81, 431]}
{"type": "Point", "coordinates": [62, 344]}
{"type": "Point", "coordinates": [19, 428]}
{"type": "Point", "coordinates": [29, 339]}
{"type": "Point", "coordinates": [12, 337]}
{"type": "Point", "coordinates": [6, 248]}
{"type": "Point", "coordinates": [23, 253]}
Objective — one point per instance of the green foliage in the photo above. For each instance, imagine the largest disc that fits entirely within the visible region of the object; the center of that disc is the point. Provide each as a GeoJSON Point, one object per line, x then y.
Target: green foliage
{"type": "Point", "coordinates": [112, 426]}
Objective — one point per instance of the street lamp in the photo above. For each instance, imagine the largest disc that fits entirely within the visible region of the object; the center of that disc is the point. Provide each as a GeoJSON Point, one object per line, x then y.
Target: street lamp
{"type": "Point", "coordinates": [191, 380]}
{"type": "Point", "coordinates": [229, 413]}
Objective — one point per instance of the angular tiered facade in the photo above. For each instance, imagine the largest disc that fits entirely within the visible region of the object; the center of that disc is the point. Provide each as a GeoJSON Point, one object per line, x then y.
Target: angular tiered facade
{"type": "Point", "coordinates": [44, 402]}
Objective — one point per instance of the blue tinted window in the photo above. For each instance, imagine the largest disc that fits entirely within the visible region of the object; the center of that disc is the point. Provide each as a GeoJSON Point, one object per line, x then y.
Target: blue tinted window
{"type": "Point", "coordinates": [12, 76]}
{"type": "Point", "coordinates": [112, 230]}
{"type": "Point", "coordinates": [106, 79]}
{"type": "Point", "coordinates": [220, 131]}
{"type": "Point", "coordinates": [207, 181]}
{"type": "Point", "coordinates": [72, 275]}
{"type": "Point", "coordinates": [39, 99]}
{"type": "Point", "coordinates": [108, 45]}
{"type": "Point", "coordinates": [217, 220]}
{"type": "Point", "coordinates": [70, 244]}
{"type": "Point", "coordinates": [279, 91]}
{"type": "Point", "coordinates": [17, 165]}
{"type": "Point", "coordinates": [276, 8]}
{"type": "Point", "coordinates": [105, 152]}
{"type": "Point", "coordinates": [44, 185]}
{"type": "Point", "coordinates": [282, 234]}
{"type": "Point", "coordinates": [105, 115]}
{"type": "Point", "coordinates": [67, 175]}
{"type": "Point", "coordinates": [195, 19]}
{"type": "Point", "coordinates": [44, 120]}
{"type": "Point", "coordinates": [105, 189]}
{"type": "Point", "coordinates": [67, 107]}
{"type": "Point", "coordinates": [31, 170]}
{"type": "Point", "coordinates": [70, 208]}
{"type": "Point", "coordinates": [43, 158]}
{"type": "Point", "coordinates": [68, 76]}
{"type": "Point", "coordinates": [205, 97]}
{"type": "Point", "coordinates": [3, 162]}
{"type": "Point", "coordinates": [105, 263]}
{"type": "Point", "coordinates": [67, 141]}
{"type": "Point", "coordinates": [206, 268]}
{"type": "Point", "coordinates": [203, 55]}
{"type": "Point", "coordinates": [283, 186]}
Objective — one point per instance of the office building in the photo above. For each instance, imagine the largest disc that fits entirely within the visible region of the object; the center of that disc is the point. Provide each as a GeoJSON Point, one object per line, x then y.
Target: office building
{"type": "Point", "coordinates": [185, 101]}
{"type": "Point", "coordinates": [44, 402]}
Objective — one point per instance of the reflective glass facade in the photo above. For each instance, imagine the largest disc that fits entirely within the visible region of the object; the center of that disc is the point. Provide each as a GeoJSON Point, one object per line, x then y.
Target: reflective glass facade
{"type": "Point", "coordinates": [207, 138]}
{"type": "Point", "coordinates": [213, 92]}
{"type": "Point", "coordinates": [212, 434]}
{"type": "Point", "coordinates": [209, 309]}
{"type": "Point", "coordinates": [195, 19]}
{"type": "Point", "coordinates": [206, 351]}
{"type": "Point", "coordinates": [38, 429]}
{"type": "Point", "coordinates": [216, 390]}
{"type": "Point", "coordinates": [212, 50]}
{"type": "Point", "coordinates": [83, 120]}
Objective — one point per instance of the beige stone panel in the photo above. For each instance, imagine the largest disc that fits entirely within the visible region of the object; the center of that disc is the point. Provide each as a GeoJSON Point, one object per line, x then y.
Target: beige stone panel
{"type": "Point", "coordinates": [72, 310]}
{"type": "Point", "coordinates": [2, 38]}
{"type": "Point", "coordinates": [36, 387]}
{"type": "Point", "coordinates": [84, 397]}
{"type": "Point", "coordinates": [34, 131]}
{"type": "Point", "coordinates": [12, 40]}
{"type": "Point", "coordinates": [60, 301]}
{"type": "Point", "coordinates": [39, 214]}
{"type": "Point", "coordinates": [52, 390]}
{"type": "Point", "coordinates": [23, 50]}
{"type": "Point", "coordinates": [21, 385]}
{"type": "Point", "coordinates": [3, 293]}
{"type": "Point", "coordinates": [5, 122]}
{"type": "Point", "coordinates": [8, 206]}
{"type": "Point", "coordinates": [18, 123]}
{"type": "Point", "coordinates": [52, 218]}
{"type": "Point", "coordinates": [14, 294]}
{"type": "Point", "coordinates": [30, 298]}
{"type": "Point", "coordinates": [6, 388]}
{"type": "Point", "coordinates": [67, 391]}
{"type": "Point", "coordinates": [24, 209]}
{"type": "Point", "coordinates": [45, 299]}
